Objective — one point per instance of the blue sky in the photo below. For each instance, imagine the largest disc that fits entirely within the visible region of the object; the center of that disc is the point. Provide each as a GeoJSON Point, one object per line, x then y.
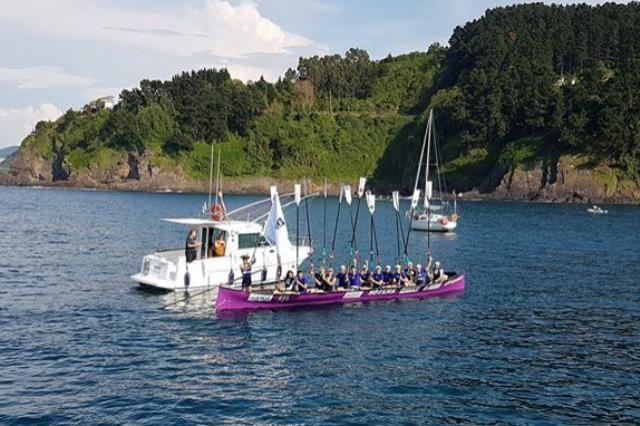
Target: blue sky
{"type": "Point", "coordinates": [62, 54]}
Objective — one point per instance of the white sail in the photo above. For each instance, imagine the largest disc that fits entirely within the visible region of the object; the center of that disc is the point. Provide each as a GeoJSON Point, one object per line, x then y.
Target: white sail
{"type": "Point", "coordinates": [275, 228]}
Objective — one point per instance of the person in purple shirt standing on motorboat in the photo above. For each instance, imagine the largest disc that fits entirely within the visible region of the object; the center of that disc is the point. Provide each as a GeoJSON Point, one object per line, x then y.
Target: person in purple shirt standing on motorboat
{"type": "Point", "coordinates": [355, 280]}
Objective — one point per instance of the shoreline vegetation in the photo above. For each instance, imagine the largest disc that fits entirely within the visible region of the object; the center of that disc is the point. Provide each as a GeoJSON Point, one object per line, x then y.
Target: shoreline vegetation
{"type": "Point", "coordinates": [532, 102]}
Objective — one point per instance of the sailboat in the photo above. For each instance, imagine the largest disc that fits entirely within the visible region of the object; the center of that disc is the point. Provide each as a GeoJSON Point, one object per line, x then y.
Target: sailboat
{"type": "Point", "coordinates": [432, 216]}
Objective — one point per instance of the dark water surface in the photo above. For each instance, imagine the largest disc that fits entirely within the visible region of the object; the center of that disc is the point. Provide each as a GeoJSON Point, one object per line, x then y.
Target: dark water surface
{"type": "Point", "coordinates": [547, 331]}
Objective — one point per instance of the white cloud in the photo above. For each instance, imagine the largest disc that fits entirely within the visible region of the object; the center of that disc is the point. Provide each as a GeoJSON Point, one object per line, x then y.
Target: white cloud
{"type": "Point", "coordinates": [16, 123]}
{"type": "Point", "coordinates": [213, 26]}
{"type": "Point", "coordinates": [42, 78]}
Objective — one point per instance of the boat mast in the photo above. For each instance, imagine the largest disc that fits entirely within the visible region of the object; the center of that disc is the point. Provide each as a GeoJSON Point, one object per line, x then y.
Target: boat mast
{"type": "Point", "coordinates": [426, 172]}
{"type": "Point", "coordinates": [424, 142]}
{"type": "Point", "coordinates": [218, 175]}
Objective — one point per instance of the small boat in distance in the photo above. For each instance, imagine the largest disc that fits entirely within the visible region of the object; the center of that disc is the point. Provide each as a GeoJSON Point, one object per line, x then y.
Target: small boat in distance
{"type": "Point", "coordinates": [596, 210]}
{"type": "Point", "coordinates": [432, 217]}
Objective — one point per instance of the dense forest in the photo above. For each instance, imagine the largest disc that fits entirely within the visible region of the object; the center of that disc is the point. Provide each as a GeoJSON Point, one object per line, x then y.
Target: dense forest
{"type": "Point", "coordinates": [521, 85]}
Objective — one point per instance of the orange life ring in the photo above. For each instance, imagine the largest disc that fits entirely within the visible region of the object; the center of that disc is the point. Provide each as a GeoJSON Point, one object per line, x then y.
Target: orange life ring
{"type": "Point", "coordinates": [444, 221]}
{"type": "Point", "coordinates": [217, 212]}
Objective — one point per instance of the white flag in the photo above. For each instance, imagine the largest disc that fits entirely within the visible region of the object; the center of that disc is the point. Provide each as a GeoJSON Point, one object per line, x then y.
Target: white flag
{"type": "Point", "coordinates": [429, 190]}
{"type": "Point", "coordinates": [371, 202]}
{"type": "Point", "coordinates": [396, 200]}
{"type": "Point", "coordinates": [273, 191]}
{"type": "Point", "coordinates": [297, 191]}
{"type": "Point", "coordinates": [361, 185]}
{"type": "Point", "coordinates": [275, 228]}
{"type": "Point", "coordinates": [347, 194]}
{"type": "Point", "coordinates": [415, 198]}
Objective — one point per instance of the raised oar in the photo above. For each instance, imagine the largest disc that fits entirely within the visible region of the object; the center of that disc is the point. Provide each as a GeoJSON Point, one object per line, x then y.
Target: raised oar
{"type": "Point", "coordinates": [306, 204]}
{"type": "Point", "coordinates": [414, 203]}
{"type": "Point", "coordinates": [324, 224]}
{"type": "Point", "coordinates": [335, 229]}
{"type": "Point", "coordinates": [371, 204]}
{"type": "Point", "coordinates": [297, 195]}
{"type": "Point", "coordinates": [395, 195]}
{"type": "Point", "coordinates": [361, 185]}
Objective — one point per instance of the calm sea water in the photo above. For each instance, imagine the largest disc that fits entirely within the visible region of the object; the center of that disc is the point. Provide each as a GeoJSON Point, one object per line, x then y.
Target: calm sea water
{"type": "Point", "coordinates": [547, 331]}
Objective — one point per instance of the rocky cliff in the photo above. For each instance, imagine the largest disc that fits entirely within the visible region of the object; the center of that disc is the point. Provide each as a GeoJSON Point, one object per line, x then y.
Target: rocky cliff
{"type": "Point", "coordinates": [570, 179]}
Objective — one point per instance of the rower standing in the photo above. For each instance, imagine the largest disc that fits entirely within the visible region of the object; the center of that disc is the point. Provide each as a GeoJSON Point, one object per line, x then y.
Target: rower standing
{"type": "Point", "coordinates": [245, 268]}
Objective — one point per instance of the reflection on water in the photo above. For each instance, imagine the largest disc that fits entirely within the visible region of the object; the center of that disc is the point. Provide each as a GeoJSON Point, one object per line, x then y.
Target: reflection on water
{"type": "Point", "coordinates": [546, 331]}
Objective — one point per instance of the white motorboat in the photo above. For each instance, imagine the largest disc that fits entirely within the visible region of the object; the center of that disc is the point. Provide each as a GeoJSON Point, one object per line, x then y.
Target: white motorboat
{"type": "Point", "coordinates": [432, 217]}
{"type": "Point", "coordinates": [268, 245]}
{"type": "Point", "coordinates": [596, 210]}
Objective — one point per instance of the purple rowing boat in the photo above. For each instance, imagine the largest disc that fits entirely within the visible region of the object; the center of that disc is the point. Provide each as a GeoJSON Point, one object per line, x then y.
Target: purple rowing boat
{"type": "Point", "coordinates": [237, 300]}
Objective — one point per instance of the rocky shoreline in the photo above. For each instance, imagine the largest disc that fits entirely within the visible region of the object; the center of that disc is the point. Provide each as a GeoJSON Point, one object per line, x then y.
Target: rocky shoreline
{"type": "Point", "coordinates": [260, 186]}
{"type": "Point", "coordinates": [565, 181]}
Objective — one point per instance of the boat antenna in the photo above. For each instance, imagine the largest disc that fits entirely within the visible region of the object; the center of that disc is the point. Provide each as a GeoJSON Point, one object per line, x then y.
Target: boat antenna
{"type": "Point", "coordinates": [218, 179]}
{"type": "Point", "coordinates": [210, 174]}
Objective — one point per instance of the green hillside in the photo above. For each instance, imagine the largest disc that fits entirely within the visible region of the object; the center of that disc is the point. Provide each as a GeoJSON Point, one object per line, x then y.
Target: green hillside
{"type": "Point", "coordinates": [521, 85]}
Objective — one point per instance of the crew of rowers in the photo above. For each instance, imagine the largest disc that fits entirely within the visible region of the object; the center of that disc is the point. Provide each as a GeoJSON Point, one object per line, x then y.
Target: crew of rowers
{"type": "Point", "coordinates": [325, 280]}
